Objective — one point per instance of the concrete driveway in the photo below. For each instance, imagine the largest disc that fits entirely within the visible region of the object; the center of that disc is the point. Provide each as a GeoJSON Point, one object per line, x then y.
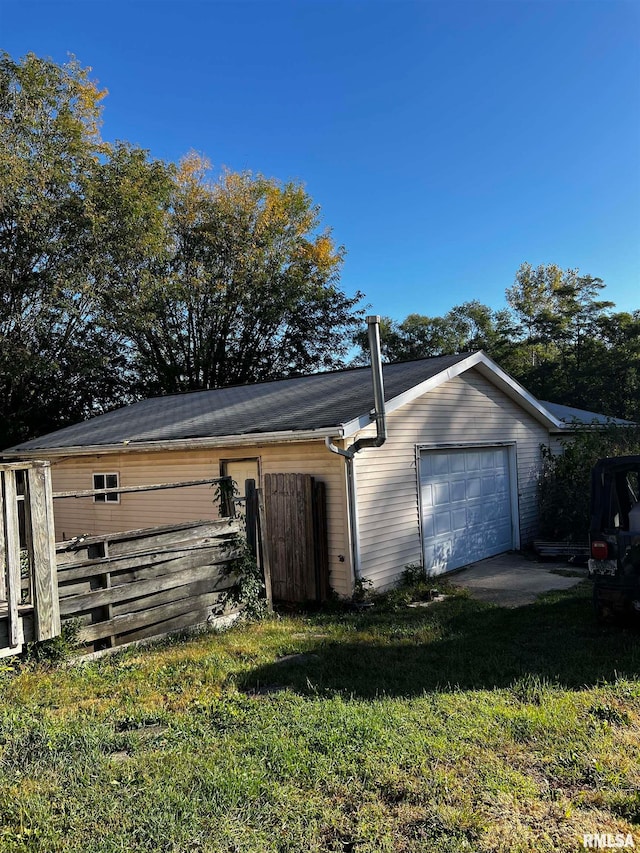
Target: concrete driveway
{"type": "Point", "coordinates": [512, 580]}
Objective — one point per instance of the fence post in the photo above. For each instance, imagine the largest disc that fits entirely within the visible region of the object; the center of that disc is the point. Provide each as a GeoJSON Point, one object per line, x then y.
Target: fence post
{"type": "Point", "coordinates": [263, 545]}
{"type": "Point", "coordinates": [45, 580]}
{"type": "Point", "coordinates": [3, 559]}
{"type": "Point", "coordinates": [12, 542]}
{"type": "Point", "coordinates": [251, 515]}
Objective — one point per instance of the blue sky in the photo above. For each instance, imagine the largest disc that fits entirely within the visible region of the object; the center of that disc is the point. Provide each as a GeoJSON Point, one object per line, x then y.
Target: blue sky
{"type": "Point", "coordinates": [445, 142]}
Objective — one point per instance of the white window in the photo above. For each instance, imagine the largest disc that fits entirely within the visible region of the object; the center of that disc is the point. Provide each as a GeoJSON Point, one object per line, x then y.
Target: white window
{"type": "Point", "coordinates": [106, 481]}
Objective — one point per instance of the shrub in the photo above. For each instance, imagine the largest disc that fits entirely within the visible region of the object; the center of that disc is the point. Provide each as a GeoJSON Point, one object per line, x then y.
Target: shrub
{"type": "Point", "coordinates": [565, 483]}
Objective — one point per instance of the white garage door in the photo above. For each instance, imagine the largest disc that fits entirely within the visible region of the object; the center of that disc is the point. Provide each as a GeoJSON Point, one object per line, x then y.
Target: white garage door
{"type": "Point", "coordinates": [466, 506]}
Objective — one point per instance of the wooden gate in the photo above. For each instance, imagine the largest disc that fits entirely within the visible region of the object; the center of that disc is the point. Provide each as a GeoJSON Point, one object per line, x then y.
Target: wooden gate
{"type": "Point", "coordinates": [296, 537]}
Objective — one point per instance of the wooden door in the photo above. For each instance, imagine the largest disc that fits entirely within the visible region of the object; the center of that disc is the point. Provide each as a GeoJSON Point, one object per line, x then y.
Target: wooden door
{"type": "Point", "coordinates": [296, 537]}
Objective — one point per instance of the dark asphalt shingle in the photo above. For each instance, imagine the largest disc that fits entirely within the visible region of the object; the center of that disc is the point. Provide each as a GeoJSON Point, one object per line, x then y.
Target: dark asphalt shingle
{"type": "Point", "coordinates": [571, 415]}
{"type": "Point", "coordinates": [303, 403]}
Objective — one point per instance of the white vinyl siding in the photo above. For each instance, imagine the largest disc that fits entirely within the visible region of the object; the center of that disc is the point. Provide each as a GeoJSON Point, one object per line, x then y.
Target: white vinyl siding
{"type": "Point", "coordinates": [75, 517]}
{"type": "Point", "coordinates": [466, 410]}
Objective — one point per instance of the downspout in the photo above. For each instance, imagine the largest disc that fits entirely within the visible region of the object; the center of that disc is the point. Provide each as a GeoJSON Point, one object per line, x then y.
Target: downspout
{"type": "Point", "coordinates": [373, 323]}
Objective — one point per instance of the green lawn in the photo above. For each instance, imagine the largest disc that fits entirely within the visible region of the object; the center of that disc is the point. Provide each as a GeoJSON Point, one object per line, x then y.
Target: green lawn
{"type": "Point", "coordinates": [459, 726]}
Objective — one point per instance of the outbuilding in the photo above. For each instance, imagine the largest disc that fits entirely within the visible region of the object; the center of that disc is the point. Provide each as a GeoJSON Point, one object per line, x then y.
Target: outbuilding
{"type": "Point", "coordinates": [454, 482]}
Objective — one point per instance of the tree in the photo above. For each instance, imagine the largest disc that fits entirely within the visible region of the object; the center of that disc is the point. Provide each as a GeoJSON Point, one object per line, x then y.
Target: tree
{"type": "Point", "coordinates": [559, 315]}
{"type": "Point", "coordinates": [615, 387]}
{"type": "Point", "coordinates": [467, 327]}
{"type": "Point", "coordinates": [58, 361]}
{"type": "Point", "coordinates": [558, 337]}
{"type": "Point", "coordinates": [246, 289]}
{"type": "Point", "coordinates": [121, 275]}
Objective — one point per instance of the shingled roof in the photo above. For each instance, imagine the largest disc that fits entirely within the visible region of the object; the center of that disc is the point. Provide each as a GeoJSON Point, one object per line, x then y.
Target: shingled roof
{"type": "Point", "coordinates": [318, 402]}
{"type": "Point", "coordinates": [581, 417]}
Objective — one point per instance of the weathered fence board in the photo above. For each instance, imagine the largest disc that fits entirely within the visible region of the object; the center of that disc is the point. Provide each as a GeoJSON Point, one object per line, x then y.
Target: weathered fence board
{"type": "Point", "coordinates": [12, 550]}
{"type": "Point", "coordinates": [27, 553]}
{"type": "Point", "coordinates": [189, 590]}
{"type": "Point", "coordinates": [180, 623]}
{"type": "Point", "coordinates": [149, 582]}
{"type": "Point", "coordinates": [136, 541]}
{"type": "Point", "coordinates": [133, 567]}
{"type": "Point", "coordinates": [25, 630]}
{"type": "Point", "coordinates": [45, 598]}
{"type": "Point", "coordinates": [154, 616]}
{"type": "Point", "coordinates": [114, 594]}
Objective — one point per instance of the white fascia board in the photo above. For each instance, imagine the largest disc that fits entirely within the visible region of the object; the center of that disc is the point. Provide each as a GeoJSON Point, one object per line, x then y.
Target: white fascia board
{"type": "Point", "coordinates": [209, 443]}
{"type": "Point", "coordinates": [488, 368]}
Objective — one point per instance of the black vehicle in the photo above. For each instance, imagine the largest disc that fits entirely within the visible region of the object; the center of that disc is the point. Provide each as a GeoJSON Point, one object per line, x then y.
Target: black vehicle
{"type": "Point", "coordinates": [614, 535]}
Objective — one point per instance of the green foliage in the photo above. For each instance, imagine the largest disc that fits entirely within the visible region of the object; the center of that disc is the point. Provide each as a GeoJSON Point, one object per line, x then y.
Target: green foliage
{"type": "Point", "coordinates": [246, 290]}
{"type": "Point", "coordinates": [413, 574]}
{"type": "Point", "coordinates": [250, 588]}
{"type": "Point", "coordinates": [362, 590]}
{"type": "Point", "coordinates": [224, 492]}
{"type": "Point", "coordinates": [74, 211]}
{"type": "Point", "coordinates": [465, 327]}
{"type": "Point", "coordinates": [122, 276]}
{"type": "Point", "coordinates": [57, 649]}
{"type": "Point", "coordinates": [565, 483]}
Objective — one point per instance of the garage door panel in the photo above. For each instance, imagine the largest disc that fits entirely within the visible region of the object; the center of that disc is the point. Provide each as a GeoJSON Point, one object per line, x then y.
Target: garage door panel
{"type": "Point", "coordinates": [491, 511]}
{"type": "Point", "coordinates": [428, 527]}
{"type": "Point", "coordinates": [458, 491]}
{"type": "Point", "coordinates": [441, 494]}
{"type": "Point", "coordinates": [443, 523]}
{"type": "Point", "coordinates": [440, 464]}
{"type": "Point", "coordinates": [474, 515]}
{"type": "Point", "coordinates": [472, 461]}
{"type": "Point", "coordinates": [487, 460]}
{"type": "Point", "coordinates": [459, 519]}
{"type": "Point", "coordinates": [439, 555]}
{"type": "Point", "coordinates": [457, 463]}
{"type": "Point", "coordinates": [488, 485]}
{"type": "Point", "coordinates": [466, 506]}
{"type": "Point", "coordinates": [473, 487]}
{"type": "Point", "coordinates": [427, 495]}
{"type": "Point", "coordinates": [502, 484]}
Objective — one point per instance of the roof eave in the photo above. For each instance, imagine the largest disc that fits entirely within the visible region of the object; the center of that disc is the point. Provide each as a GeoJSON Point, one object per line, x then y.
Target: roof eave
{"type": "Point", "coordinates": [209, 442]}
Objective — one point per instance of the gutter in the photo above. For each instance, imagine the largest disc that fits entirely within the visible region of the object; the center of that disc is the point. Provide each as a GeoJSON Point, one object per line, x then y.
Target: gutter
{"type": "Point", "coordinates": [379, 414]}
{"type": "Point", "coordinates": [252, 438]}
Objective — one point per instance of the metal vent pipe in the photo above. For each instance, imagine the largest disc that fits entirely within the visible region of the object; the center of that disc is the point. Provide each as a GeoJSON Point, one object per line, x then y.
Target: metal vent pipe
{"type": "Point", "coordinates": [373, 323]}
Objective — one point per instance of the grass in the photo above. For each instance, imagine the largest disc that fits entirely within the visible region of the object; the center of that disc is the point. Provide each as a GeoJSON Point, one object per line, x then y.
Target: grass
{"type": "Point", "coordinates": [459, 726]}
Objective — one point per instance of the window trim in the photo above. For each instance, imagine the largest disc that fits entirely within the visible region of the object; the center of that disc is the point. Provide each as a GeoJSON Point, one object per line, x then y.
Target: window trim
{"type": "Point", "coordinates": [106, 499]}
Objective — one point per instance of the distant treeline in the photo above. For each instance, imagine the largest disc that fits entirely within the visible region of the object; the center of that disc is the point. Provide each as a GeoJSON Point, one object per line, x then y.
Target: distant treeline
{"type": "Point", "coordinates": [558, 337]}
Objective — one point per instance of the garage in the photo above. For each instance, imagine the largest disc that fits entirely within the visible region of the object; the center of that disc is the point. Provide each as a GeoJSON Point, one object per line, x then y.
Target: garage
{"type": "Point", "coordinates": [466, 505]}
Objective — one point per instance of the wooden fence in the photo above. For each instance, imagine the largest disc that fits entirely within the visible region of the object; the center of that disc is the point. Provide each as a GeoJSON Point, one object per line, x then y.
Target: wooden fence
{"type": "Point", "coordinates": [296, 537]}
{"type": "Point", "coordinates": [124, 587]}
{"type": "Point", "coordinates": [28, 585]}
{"type": "Point", "coordinates": [130, 586]}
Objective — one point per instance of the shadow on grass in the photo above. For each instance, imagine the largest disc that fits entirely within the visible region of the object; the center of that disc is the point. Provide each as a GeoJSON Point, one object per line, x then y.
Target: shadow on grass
{"type": "Point", "coordinates": [456, 644]}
